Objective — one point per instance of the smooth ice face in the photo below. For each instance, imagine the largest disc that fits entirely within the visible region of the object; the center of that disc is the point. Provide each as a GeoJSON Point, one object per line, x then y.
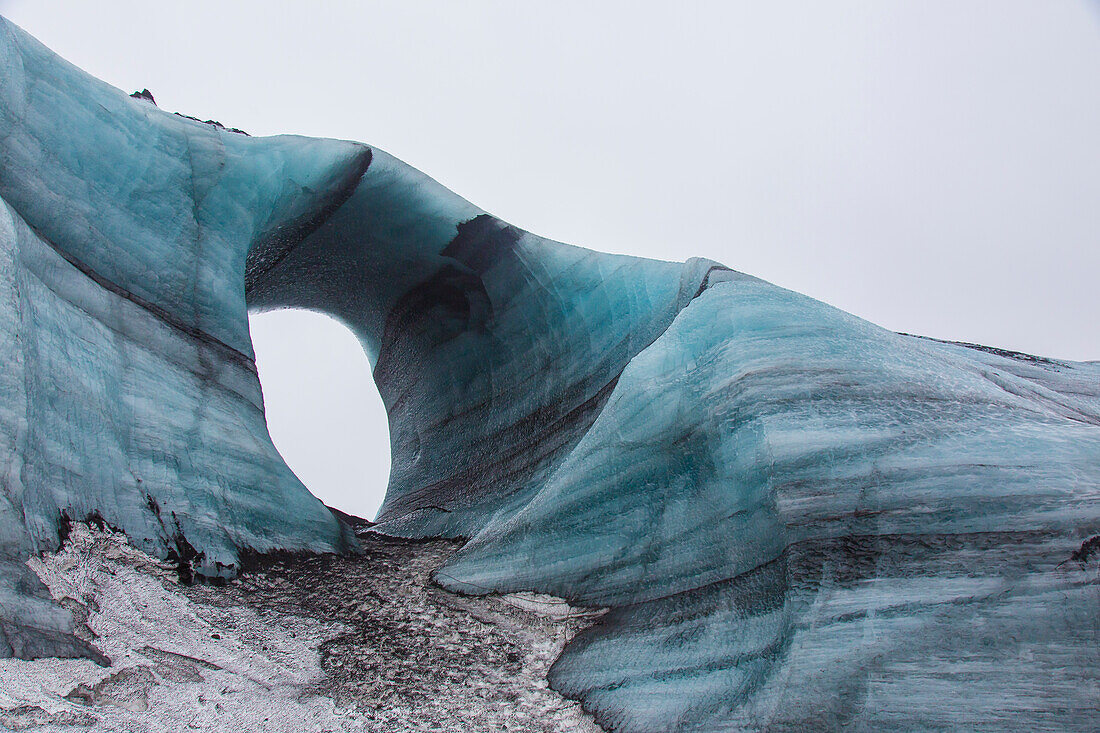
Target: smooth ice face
{"type": "Point", "coordinates": [797, 519]}
{"type": "Point", "coordinates": [803, 521]}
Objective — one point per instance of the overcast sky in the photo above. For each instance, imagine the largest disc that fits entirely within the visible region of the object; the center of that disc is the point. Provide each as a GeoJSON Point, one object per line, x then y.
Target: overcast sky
{"type": "Point", "coordinates": [933, 167]}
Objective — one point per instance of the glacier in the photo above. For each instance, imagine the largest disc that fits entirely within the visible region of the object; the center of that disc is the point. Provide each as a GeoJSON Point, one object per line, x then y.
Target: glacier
{"type": "Point", "coordinates": [797, 519]}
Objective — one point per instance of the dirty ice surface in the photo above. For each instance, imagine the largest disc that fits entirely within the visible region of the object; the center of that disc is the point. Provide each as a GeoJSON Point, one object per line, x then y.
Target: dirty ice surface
{"type": "Point", "coordinates": [326, 644]}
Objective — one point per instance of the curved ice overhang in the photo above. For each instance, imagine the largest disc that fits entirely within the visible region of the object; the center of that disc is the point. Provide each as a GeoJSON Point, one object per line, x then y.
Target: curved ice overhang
{"type": "Point", "coordinates": [493, 349]}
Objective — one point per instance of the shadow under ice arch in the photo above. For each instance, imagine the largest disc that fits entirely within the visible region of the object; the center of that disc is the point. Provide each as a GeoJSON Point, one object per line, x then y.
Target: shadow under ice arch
{"type": "Point", "coordinates": [795, 516]}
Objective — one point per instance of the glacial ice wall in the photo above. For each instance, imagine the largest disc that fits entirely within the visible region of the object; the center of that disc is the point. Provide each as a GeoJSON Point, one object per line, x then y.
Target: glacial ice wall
{"type": "Point", "coordinates": [796, 518]}
{"type": "Point", "coordinates": [129, 386]}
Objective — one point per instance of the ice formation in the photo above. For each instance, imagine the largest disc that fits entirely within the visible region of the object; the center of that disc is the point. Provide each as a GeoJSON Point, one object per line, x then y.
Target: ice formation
{"type": "Point", "coordinates": [797, 518]}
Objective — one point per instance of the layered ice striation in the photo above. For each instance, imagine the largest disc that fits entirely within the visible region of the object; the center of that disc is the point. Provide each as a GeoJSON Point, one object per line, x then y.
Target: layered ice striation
{"type": "Point", "coordinates": [796, 518]}
{"type": "Point", "coordinates": [129, 387]}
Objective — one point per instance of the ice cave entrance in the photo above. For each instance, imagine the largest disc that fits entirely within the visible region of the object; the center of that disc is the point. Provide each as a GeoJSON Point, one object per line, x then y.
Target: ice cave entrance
{"type": "Point", "coordinates": [323, 411]}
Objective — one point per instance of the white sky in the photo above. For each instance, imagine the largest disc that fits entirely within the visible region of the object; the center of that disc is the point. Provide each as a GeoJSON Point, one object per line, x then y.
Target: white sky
{"type": "Point", "coordinates": [931, 166]}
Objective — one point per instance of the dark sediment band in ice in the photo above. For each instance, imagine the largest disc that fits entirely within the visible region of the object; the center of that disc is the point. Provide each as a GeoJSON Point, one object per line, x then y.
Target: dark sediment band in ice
{"type": "Point", "coordinates": [797, 518]}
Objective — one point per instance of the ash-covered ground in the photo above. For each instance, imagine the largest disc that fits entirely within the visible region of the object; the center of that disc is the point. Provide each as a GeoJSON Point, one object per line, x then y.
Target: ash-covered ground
{"type": "Point", "coordinates": [320, 643]}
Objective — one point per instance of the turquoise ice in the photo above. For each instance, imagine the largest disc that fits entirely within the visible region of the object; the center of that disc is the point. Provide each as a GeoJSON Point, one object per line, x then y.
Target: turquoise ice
{"type": "Point", "coordinates": [796, 518]}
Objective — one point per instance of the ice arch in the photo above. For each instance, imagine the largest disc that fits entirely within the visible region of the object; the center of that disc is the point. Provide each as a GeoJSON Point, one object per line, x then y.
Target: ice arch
{"type": "Point", "coordinates": [798, 519]}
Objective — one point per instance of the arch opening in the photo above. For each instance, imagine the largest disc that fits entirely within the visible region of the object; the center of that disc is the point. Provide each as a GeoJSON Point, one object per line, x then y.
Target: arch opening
{"type": "Point", "coordinates": [323, 410]}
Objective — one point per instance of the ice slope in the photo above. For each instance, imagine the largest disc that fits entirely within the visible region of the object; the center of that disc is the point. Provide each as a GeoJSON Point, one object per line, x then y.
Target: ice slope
{"type": "Point", "coordinates": [797, 518]}
{"type": "Point", "coordinates": [804, 521]}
